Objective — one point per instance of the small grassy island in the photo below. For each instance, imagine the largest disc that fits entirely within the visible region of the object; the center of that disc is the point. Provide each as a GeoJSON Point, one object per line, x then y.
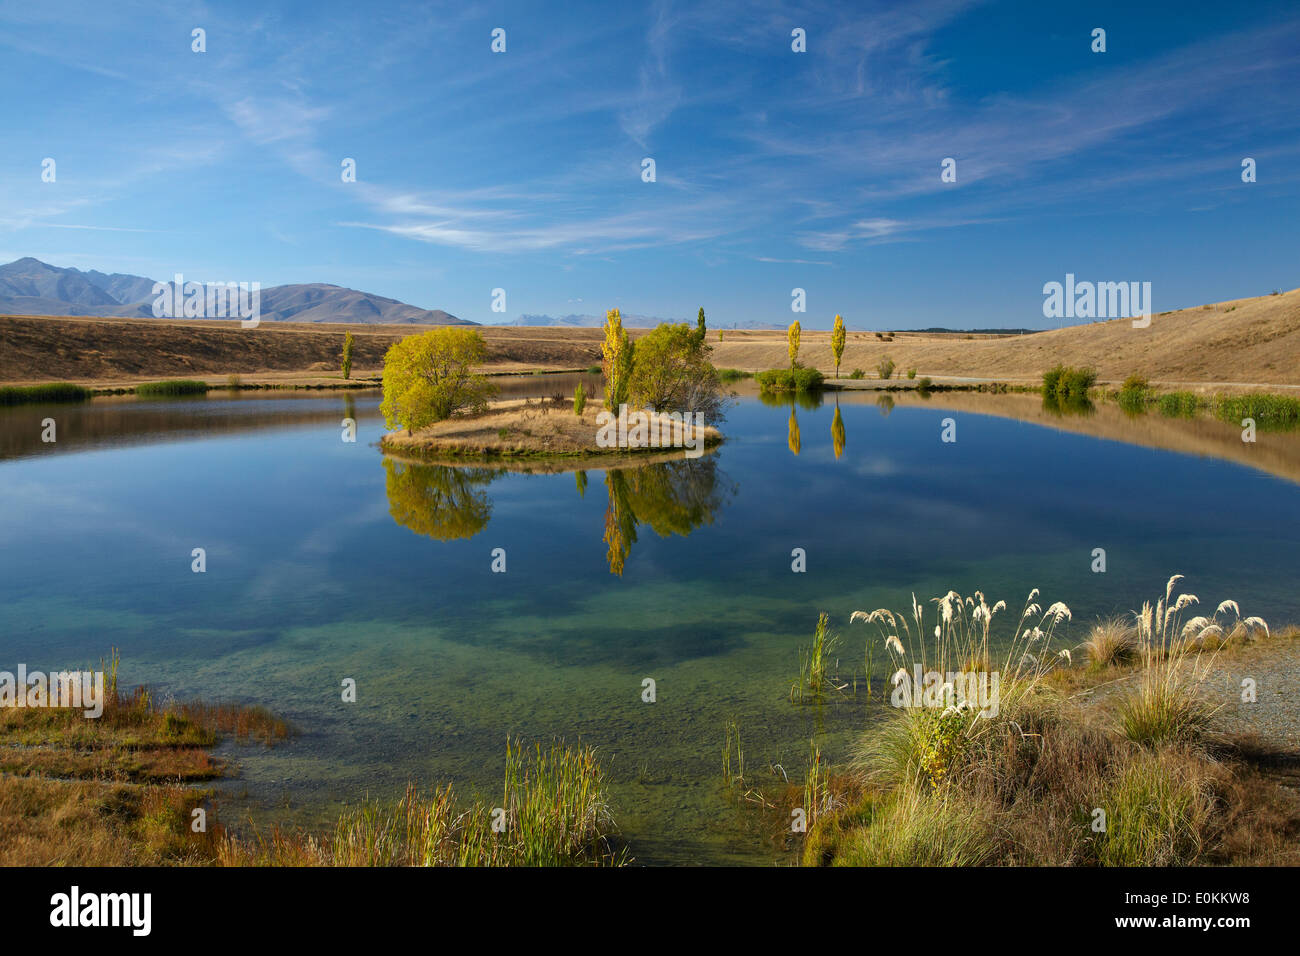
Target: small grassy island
{"type": "Point", "coordinates": [658, 398]}
{"type": "Point", "coordinates": [525, 428]}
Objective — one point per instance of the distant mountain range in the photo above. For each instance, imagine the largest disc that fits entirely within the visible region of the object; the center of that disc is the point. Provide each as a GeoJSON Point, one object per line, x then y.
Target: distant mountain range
{"type": "Point", "coordinates": [630, 321]}
{"type": "Point", "coordinates": [31, 287]}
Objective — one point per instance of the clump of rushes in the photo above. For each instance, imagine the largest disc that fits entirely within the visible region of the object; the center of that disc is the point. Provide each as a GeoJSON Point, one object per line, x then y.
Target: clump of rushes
{"type": "Point", "coordinates": [1268, 411]}
{"type": "Point", "coordinates": [553, 812]}
{"type": "Point", "coordinates": [885, 367]}
{"type": "Point", "coordinates": [857, 373]}
{"type": "Point", "coordinates": [171, 387]}
{"type": "Point", "coordinates": [911, 373]}
{"type": "Point", "coordinates": [733, 774]}
{"type": "Point", "coordinates": [732, 374]}
{"type": "Point", "coordinates": [814, 664]}
{"type": "Point", "coordinates": [1134, 394]}
{"type": "Point", "coordinates": [51, 392]}
{"type": "Point", "coordinates": [579, 400]}
{"type": "Point", "coordinates": [817, 797]}
{"type": "Point", "coordinates": [1179, 404]}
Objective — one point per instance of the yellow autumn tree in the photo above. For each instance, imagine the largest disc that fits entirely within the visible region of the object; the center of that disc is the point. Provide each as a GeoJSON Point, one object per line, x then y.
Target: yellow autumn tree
{"type": "Point", "coordinates": [837, 343]}
{"type": "Point", "coordinates": [792, 337]}
{"type": "Point", "coordinates": [616, 364]}
{"type": "Point", "coordinates": [430, 377]}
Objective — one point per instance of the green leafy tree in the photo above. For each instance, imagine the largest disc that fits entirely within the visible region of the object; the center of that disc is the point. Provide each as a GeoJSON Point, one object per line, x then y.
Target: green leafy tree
{"type": "Point", "coordinates": [837, 343]}
{"type": "Point", "coordinates": [579, 400]}
{"type": "Point", "coordinates": [792, 337]}
{"type": "Point", "coordinates": [348, 343]}
{"type": "Point", "coordinates": [616, 364]}
{"type": "Point", "coordinates": [701, 331]}
{"type": "Point", "coordinates": [430, 377]}
{"type": "Point", "coordinates": [672, 373]}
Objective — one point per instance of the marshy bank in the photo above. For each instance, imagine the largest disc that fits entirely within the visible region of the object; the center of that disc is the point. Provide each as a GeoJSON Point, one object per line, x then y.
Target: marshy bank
{"type": "Point", "coordinates": [131, 787]}
{"type": "Point", "coordinates": [126, 788]}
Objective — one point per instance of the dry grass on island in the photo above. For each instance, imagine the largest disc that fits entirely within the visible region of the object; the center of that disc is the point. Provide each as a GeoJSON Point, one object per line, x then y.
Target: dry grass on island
{"type": "Point", "coordinates": [526, 428]}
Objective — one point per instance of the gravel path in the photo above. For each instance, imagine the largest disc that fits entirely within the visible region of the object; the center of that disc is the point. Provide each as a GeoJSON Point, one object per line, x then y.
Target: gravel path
{"type": "Point", "coordinates": [1274, 666]}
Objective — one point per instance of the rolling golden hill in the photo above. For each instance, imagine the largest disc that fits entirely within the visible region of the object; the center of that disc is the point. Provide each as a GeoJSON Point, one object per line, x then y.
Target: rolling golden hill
{"type": "Point", "coordinates": [1243, 343]}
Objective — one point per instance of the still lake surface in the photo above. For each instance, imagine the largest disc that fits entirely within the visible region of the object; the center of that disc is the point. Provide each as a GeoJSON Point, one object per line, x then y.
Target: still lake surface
{"type": "Point", "coordinates": [326, 562]}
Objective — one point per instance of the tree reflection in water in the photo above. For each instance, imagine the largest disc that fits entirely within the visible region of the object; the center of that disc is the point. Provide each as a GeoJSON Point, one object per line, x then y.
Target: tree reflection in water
{"type": "Point", "coordinates": [672, 498]}
{"type": "Point", "coordinates": [440, 501]}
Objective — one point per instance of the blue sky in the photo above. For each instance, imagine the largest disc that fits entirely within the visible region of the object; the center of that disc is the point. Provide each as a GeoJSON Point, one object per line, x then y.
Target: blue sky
{"type": "Point", "coordinates": [775, 169]}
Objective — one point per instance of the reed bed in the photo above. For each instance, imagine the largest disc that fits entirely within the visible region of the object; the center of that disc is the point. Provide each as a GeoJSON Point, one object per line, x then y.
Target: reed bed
{"type": "Point", "coordinates": [50, 392]}
{"type": "Point", "coordinates": [171, 388]}
{"type": "Point", "coordinates": [553, 812]}
{"type": "Point", "coordinates": [1267, 410]}
{"type": "Point", "coordinates": [1179, 404]}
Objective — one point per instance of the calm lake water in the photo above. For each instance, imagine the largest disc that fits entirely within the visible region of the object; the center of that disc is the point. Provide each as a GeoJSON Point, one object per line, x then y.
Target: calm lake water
{"type": "Point", "coordinates": [326, 562]}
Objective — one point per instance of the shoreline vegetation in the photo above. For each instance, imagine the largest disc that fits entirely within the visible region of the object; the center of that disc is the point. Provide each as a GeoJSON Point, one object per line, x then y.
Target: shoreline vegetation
{"type": "Point", "coordinates": [1069, 390]}
{"type": "Point", "coordinates": [1106, 752]}
{"type": "Point", "coordinates": [125, 789]}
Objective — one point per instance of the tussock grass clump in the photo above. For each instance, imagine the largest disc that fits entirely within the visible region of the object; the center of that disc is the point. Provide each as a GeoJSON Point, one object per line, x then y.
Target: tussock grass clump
{"type": "Point", "coordinates": [1158, 810]}
{"type": "Point", "coordinates": [1166, 706]}
{"type": "Point", "coordinates": [170, 388]}
{"type": "Point", "coordinates": [885, 368]}
{"type": "Point", "coordinates": [906, 828]}
{"type": "Point", "coordinates": [732, 375]}
{"type": "Point", "coordinates": [51, 392]}
{"type": "Point", "coordinates": [798, 379]}
{"type": "Point", "coordinates": [1111, 643]}
{"type": "Point", "coordinates": [924, 741]}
